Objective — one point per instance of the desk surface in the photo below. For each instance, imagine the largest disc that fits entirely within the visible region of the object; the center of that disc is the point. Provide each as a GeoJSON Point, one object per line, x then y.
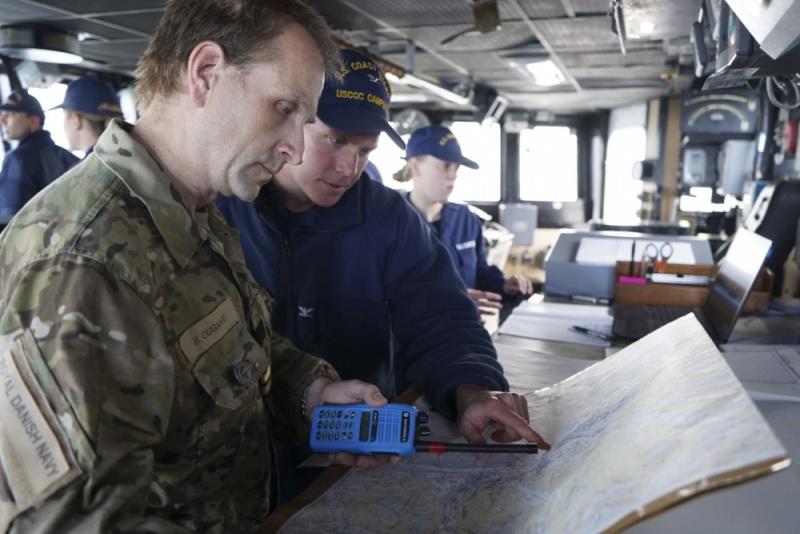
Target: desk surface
{"type": "Point", "coordinates": [768, 504]}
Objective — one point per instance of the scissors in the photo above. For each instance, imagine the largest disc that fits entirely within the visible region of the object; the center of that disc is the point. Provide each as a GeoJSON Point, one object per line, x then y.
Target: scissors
{"type": "Point", "coordinates": [655, 258]}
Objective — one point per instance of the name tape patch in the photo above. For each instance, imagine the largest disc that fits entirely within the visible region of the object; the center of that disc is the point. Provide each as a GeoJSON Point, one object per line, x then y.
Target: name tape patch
{"type": "Point", "coordinates": [36, 451]}
{"type": "Point", "coordinates": [202, 335]}
{"type": "Point", "coordinates": [465, 245]}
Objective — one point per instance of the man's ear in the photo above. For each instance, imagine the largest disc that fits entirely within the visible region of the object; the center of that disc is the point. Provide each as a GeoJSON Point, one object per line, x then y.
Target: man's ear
{"type": "Point", "coordinates": [36, 122]}
{"type": "Point", "coordinates": [413, 164]}
{"type": "Point", "coordinates": [203, 70]}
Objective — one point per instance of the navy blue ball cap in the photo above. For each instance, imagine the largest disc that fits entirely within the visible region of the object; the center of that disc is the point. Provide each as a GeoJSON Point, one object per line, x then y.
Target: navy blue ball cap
{"type": "Point", "coordinates": [356, 99]}
{"type": "Point", "coordinates": [439, 142]}
{"type": "Point", "coordinates": [93, 97]}
{"type": "Point", "coordinates": [21, 100]}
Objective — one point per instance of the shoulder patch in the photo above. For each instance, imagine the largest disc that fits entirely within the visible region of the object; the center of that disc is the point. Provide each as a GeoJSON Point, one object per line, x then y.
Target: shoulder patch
{"type": "Point", "coordinates": [465, 245]}
{"type": "Point", "coordinates": [33, 460]}
{"type": "Point", "coordinates": [201, 336]}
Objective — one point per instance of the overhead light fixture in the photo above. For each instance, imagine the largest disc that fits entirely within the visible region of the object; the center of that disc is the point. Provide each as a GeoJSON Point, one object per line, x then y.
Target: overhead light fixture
{"type": "Point", "coordinates": [647, 28]}
{"type": "Point", "coordinates": [34, 42]}
{"type": "Point", "coordinates": [412, 81]}
{"type": "Point", "coordinates": [408, 98]}
{"type": "Point", "coordinates": [545, 73]}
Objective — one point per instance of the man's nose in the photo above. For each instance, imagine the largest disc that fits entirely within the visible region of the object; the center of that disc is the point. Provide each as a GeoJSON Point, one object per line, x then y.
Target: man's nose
{"type": "Point", "coordinates": [291, 148]}
{"type": "Point", "coordinates": [347, 161]}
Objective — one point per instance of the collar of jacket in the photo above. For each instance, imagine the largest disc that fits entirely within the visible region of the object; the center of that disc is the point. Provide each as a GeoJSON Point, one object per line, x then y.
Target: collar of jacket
{"type": "Point", "coordinates": [346, 213]}
{"type": "Point", "coordinates": [148, 182]}
{"type": "Point", "coordinates": [444, 215]}
{"type": "Point", "coordinates": [38, 137]}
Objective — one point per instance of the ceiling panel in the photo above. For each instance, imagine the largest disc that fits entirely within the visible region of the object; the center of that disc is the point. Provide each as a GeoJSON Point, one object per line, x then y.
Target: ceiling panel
{"type": "Point", "coordinates": [585, 43]}
{"type": "Point", "coordinates": [422, 61]}
{"type": "Point", "coordinates": [442, 73]}
{"type": "Point", "coordinates": [590, 6]}
{"type": "Point", "coordinates": [121, 54]}
{"type": "Point", "coordinates": [629, 72]}
{"type": "Point", "coordinates": [142, 22]}
{"type": "Point", "coordinates": [413, 12]}
{"type": "Point", "coordinates": [99, 6]}
{"type": "Point", "coordinates": [342, 16]}
{"type": "Point", "coordinates": [543, 9]}
{"type": "Point", "coordinates": [95, 28]}
{"type": "Point", "coordinates": [512, 34]}
{"type": "Point", "coordinates": [512, 87]}
{"type": "Point", "coordinates": [648, 19]}
{"type": "Point", "coordinates": [406, 13]}
{"type": "Point", "coordinates": [587, 33]}
{"type": "Point", "coordinates": [564, 102]}
{"type": "Point", "coordinates": [19, 11]}
{"type": "Point", "coordinates": [474, 61]}
{"type": "Point", "coordinates": [579, 33]}
{"type": "Point", "coordinates": [613, 58]}
{"type": "Point", "coordinates": [592, 84]}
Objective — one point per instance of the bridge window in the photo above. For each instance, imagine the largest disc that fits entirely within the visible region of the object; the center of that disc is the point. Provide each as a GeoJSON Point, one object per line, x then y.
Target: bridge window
{"type": "Point", "coordinates": [548, 164]}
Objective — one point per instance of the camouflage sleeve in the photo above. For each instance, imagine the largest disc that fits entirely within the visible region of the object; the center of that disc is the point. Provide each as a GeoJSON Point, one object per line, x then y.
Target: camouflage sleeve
{"type": "Point", "coordinates": [294, 371]}
{"type": "Point", "coordinates": [88, 360]}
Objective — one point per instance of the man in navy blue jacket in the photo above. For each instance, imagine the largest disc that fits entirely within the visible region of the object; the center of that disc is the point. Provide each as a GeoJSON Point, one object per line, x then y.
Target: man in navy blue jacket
{"type": "Point", "coordinates": [357, 276]}
{"type": "Point", "coordinates": [35, 162]}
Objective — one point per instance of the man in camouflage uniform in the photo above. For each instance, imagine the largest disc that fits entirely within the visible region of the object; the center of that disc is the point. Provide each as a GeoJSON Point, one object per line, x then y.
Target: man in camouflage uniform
{"type": "Point", "coordinates": [139, 376]}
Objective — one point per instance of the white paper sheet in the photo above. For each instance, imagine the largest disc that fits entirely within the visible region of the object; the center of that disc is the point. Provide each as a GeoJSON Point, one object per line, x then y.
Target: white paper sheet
{"type": "Point", "coordinates": [553, 321]}
{"type": "Point", "coordinates": [600, 251]}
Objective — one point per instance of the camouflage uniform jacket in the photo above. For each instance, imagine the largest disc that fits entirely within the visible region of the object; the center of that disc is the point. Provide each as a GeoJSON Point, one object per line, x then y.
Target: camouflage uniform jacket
{"type": "Point", "coordinates": [132, 341]}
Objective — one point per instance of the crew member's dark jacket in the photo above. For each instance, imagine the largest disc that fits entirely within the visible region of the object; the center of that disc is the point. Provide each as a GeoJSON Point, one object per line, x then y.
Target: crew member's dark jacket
{"type": "Point", "coordinates": [460, 232]}
{"type": "Point", "coordinates": [365, 283]}
{"type": "Point", "coordinates": [28, 169]}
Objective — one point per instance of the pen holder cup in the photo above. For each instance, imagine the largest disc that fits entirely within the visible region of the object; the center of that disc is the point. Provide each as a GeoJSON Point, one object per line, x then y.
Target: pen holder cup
{"type": "Point", "coordinates": [626, 292]}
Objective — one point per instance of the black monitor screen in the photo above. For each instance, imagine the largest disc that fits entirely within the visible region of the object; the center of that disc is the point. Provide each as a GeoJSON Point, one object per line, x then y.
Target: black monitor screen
{"type": "Point", "coordinates": [737, 274]}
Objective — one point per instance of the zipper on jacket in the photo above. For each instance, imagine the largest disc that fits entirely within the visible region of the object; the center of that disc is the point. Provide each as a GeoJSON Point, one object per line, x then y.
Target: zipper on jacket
{"type": "Point", "coordinates": [284, 284]}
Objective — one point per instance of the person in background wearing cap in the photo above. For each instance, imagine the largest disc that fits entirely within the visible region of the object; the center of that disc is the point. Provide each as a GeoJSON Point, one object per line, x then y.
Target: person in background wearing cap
{"type": "Point", "coordinates": [89, 105]}
{"type": "Point", "coordinates": [358, 277]}
{"type": "Point", "coordinates": [35, 162]}
{"type": "Point", "coordinates": [433, 157]}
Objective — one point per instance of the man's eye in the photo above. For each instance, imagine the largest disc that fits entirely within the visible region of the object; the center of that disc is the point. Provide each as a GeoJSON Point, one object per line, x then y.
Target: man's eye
{"type": "Point", "coordinates": [337, 140]}
{"type": "Point", "coordinates": [285, 108]}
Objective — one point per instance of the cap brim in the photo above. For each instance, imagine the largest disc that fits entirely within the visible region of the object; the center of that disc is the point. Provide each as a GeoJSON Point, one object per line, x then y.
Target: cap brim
{"type": "Point", "coordinates": [466, 162]}
{"type": "Point", "coordinates": [356, 122]}
{"type": "Point", "coordinates": [5, 107]}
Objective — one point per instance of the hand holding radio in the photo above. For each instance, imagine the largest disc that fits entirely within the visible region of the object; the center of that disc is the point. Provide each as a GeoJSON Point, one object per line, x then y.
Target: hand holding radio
{"type": "Point", "coordinates": [323, 391]}
{"type": "Point", "coordinates": [390, 429]}
{"type": "Point", "coordinates": [507, 412]}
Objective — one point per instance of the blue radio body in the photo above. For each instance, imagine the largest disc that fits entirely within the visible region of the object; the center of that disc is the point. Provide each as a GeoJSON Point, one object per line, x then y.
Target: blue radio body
{"type": "Point", "coordinates": [362, 429]}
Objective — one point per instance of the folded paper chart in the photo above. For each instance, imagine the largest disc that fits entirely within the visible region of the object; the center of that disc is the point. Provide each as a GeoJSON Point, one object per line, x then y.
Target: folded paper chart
{"type": "Point", "coordinates": [638, 432]}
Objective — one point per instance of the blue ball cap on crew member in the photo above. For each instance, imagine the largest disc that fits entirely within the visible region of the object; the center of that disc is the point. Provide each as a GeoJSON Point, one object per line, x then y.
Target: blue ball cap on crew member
{"type": "Point", "coordinates": [356, 99]}
{"type": "Point", "coordinates": [439, 142]}
{"type": "Point", "coordinates": [93, 97]}
{"type": "Point", "coordinates": [20, 100]}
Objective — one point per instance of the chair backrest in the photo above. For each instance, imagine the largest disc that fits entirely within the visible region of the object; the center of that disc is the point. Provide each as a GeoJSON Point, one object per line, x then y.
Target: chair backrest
{"type": "Point", "coordinates": [775, 216]}
{"type": "Point", "coordinates": [521, 220]}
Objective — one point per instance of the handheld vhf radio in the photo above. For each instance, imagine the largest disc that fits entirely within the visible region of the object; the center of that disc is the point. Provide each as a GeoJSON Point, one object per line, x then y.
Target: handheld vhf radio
{"type": "Point", "coordinates": [390, 429]}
